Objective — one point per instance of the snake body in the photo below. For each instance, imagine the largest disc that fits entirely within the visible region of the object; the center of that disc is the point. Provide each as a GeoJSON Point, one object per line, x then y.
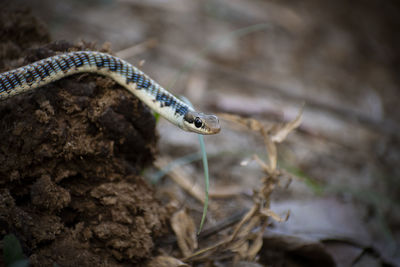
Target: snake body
{"type": "Point", "coordinates": [51, 69]}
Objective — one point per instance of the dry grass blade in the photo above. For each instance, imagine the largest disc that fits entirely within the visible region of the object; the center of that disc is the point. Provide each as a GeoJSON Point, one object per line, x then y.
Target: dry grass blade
{"type": "Point", "coordinates": [273, 215]}
{"type": "Point", "coordinates": [251, 124]}
{"type": "Point", "coordinates": [227, 191]}
{"type": "Point", "coordinates": [137, 49]}
{"type": "Point", "coordinates": [272, 153]}
{"type": "Point", "coordinates": [281, 131]}
{"type": "Point", "coordinates": [256, 244]}
{"type": "Point", "coordinates": [246, 218]}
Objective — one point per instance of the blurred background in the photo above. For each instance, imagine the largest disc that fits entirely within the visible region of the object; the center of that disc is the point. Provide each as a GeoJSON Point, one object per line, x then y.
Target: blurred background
{"type": "Point", "coordinates": [265, 59]}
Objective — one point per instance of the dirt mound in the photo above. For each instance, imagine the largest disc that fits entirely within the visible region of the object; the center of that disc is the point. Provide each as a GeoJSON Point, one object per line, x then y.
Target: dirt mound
{"type": "Point", "coordinates": [70, 155]}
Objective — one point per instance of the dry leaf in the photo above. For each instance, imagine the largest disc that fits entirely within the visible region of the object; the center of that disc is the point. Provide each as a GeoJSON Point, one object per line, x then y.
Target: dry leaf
{"type": "Point", "coordinates": [185, 231]}
{"type": "Point", "coordinates": [166, 261]}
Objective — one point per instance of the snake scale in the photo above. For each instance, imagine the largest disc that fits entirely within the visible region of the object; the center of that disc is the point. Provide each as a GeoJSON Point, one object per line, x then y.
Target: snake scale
{"type": "Point", "coordinates": [54, 68]}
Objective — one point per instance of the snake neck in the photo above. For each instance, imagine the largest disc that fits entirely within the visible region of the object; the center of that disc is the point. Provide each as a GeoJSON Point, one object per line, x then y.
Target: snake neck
{"type": "Point", "coordinates": [135, 81]}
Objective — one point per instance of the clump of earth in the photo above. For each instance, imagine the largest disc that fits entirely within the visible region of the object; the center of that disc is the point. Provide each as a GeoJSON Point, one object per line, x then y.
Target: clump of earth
{"type": "Point", "coordinates": [70, 157]}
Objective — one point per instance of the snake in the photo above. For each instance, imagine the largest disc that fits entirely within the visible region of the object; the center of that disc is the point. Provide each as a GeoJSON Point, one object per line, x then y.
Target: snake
{"type": "Point", "coordinates": [158, 99]}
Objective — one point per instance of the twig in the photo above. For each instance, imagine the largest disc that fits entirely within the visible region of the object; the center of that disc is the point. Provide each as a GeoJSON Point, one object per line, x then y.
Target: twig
{"type": "Point", "coordinates": [183, 180]}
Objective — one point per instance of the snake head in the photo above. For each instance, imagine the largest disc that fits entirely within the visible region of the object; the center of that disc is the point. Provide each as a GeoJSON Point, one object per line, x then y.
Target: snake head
{"type": "Point", "coordinates": [201, 123]}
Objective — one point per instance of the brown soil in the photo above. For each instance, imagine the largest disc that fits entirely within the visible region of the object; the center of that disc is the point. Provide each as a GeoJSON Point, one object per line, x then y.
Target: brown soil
{"type": "Point", "coordinates": [70, 155]}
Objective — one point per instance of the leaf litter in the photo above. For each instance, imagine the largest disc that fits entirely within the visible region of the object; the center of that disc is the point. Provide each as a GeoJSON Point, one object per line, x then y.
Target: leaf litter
{"type": "Point", "coordinates": [246, 236]}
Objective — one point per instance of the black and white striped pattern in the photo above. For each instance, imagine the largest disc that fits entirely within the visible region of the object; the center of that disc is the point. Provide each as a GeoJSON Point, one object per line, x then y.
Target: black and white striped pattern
{"type": "Point", "coordinates": [57, 67]}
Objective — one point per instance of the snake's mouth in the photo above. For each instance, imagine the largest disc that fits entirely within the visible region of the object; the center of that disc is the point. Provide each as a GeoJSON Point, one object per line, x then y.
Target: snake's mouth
{"type": "Point", "coordinates": [201, 123]}
{"type": "Point", "coordinates": [211, 122]}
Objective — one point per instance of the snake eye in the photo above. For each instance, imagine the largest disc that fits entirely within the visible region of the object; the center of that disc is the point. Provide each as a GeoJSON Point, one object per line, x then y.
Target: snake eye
{"type": "Point", "coordinates": [197, 122]}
